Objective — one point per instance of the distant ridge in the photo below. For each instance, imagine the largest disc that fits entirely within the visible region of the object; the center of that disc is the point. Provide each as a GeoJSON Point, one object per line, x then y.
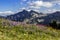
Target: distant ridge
{"type": "Point", "coordinates": [20, 16]}
{"type": "Point", "coordinates": [34, 17]}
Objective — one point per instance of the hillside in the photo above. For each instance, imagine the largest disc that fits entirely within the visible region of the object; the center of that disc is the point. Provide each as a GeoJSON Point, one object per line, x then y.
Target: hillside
{"type": "Point", "coordinates": [51, 17]}
{"type": "Point", "coordinates": [26, 31]}
{"type": "Point", "coordinates": [33, 17]}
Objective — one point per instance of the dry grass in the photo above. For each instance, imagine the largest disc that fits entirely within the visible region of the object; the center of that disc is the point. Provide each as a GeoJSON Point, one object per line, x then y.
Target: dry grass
{"type": "Point", "coordinates": [27, 32]}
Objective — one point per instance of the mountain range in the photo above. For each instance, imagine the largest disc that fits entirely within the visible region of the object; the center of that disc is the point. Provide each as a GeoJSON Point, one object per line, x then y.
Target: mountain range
{"type": "Point", "coordinates": [34, 17]}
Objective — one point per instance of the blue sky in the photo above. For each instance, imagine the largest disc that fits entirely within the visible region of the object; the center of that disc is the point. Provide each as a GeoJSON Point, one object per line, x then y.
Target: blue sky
{"type": "Point", "coordinates": [45, 6]}
{"type": "Point", "coordinates": [12, 5]}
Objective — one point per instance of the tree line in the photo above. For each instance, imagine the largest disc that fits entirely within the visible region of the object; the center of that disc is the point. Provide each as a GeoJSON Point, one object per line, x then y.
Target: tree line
{"type": "Point", "coordinates": [54, 24]}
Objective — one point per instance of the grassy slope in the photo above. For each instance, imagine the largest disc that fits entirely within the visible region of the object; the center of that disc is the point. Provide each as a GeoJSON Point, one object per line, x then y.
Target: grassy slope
{"type": "Point", "coordinates": [27, 32]}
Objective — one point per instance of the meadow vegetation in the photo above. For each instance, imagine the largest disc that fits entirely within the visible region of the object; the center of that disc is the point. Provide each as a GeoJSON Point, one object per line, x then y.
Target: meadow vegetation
{"type": "Point", "coordinates": [18, 31]}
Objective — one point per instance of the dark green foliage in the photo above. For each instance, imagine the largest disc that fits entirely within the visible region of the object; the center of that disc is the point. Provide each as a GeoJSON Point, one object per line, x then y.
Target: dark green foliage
{"type": "Point", "coordinates": [30, 32]}
{"type": "Point", "coordinates": [58, 26]}
{"type": "Point", "coordinates": [55, 25]}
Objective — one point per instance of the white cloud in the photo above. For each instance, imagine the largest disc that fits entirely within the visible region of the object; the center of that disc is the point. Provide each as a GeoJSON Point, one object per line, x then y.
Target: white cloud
{"type": "Point", "coordinates": [56, 2]}
{"type": "Point", "coordinates": [6, 13]}
{"type": "Point", "coordinates": [41, 5]}
{"type": "Point", "coordinates": [21, 9]}
{"type": "Point", "coordinates": [51, 10]}
{"type": "Point", "coordinates": [38, 4]}
{"type": "Point", "coordinates": [47, 4]}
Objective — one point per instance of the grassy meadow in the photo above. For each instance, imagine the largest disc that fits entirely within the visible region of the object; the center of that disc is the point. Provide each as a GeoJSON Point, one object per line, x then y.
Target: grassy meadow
{"type": "Point", "coordinates": [19, 31]}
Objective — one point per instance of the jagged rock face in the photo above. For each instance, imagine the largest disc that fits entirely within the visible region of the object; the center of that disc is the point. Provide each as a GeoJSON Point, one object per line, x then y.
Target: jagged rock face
{"type": "Point", "coordinates": [34, 17]}
{"type": "Point", "coordinates": [20, 16]}
{"type": "Point", "coordinates": [51, 17]}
